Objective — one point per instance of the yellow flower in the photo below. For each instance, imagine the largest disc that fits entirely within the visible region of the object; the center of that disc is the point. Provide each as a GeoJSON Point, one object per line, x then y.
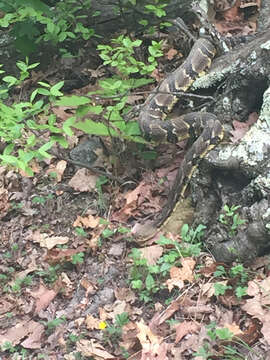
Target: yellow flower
{"type": "Point", "coordinates": [102, 325]}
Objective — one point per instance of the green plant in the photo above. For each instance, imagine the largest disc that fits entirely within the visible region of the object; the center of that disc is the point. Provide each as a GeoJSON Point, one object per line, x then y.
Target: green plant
{"type": "Point", "coordinates": [121, 56]}
{"type": "Point", "coordinates": [41, 200]}
{"type": "Point", "coordinates": [9, 315]}
{"type": "Point", "coordinates": [220, 345]}
{"type": "Point", "coordinates": [147, 279]}
{"type": "Point", "coordinates": [17, 351]}
{"type": "Point", "coordinates": [25, 131]}
{"type": "Point", "coordinates": [72, 339]}
{"type": "Point", "coordinates": [29, 129]}
{"type": "Point", "coordinates": [109, 232]}
{"type": "Point", "coordinates": [52, 324]}
{"type": "Point", "coordinates": [21, 130]}
{"type": "Point", "coordinates": [141, 276]}
{"type": "Point", "coordinates": [50, 275]}
{"type": "Point", "coordinates": [231, 219]}
{"type": "Point", "coordinates": [11, 253]}
{"type": "Point", "coordinates": [80, 231]}
{"type": "Point", "coordinates": [238, 274]}
{"type": "Point", "coordinates": [16, 206]}
{"type": "Point", "coordinates": [7, 346]}
{"type": "Point", "coordinates": [102, 180]}
{"type": "Point", "coordinates": [220, 288]}
{"type": "Point", "coordinates": [17, 285]}
{"type": "Point", "coordinates": [113, 332]}
{"type": "Point", "coordinates": [77, 258]}
{"type": "Point", "coordinates": [191, 245]}
{"type": "Point", "coordinates": [157, 9]}
{"type": "Point", "coordinates": [32, 22]}
{"type": "Point", "coordinates": [4, 278]}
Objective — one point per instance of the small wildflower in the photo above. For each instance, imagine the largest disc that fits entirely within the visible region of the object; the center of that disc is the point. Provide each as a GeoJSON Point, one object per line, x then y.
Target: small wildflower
{"type": "Point", "coordinates": [102, 325]}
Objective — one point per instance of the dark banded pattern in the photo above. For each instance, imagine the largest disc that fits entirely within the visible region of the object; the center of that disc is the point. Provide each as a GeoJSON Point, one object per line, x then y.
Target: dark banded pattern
{"type": "Point", "coordinates": [204, 126]}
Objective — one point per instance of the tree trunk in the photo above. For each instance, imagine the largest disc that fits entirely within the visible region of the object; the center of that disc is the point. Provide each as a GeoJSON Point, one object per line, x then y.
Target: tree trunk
{"type": "Point", "coordinates": [240, 171]}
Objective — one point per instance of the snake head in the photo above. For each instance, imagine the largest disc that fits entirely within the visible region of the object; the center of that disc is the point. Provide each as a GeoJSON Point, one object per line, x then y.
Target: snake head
{"type": "Point", "coordinates": [144, 232]}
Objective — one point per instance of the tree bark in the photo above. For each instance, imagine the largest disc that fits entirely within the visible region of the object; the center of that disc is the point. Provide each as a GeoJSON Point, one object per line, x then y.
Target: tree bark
{"type": "Point", "coordinates": [240, 171]}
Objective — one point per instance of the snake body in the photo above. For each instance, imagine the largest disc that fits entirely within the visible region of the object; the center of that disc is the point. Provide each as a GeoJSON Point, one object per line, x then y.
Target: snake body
{"type": "Point", "coordinates": [204, 126]}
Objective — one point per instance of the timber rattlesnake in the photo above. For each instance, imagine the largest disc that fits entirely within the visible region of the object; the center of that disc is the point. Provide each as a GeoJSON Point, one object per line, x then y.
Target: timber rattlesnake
{"type": "Point", "coordinates": [205, 126]}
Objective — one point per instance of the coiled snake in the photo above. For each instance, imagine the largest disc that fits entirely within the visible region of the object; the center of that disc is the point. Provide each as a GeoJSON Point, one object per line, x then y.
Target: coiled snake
{"type": "Point", "coordinates": [204, 126]}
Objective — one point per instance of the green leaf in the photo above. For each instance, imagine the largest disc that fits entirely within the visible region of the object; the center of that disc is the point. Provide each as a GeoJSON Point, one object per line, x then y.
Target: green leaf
{"type": "Point", "coordinates": [136, 284]}
{"type": "Point", "coordinates": [83, 110]}
{"type": "Point", "coordinates": [220, 289]}
{"type": "Point", "coordinates": [107, 233]}
{"type": "Point", "coordinates": [143, 22]}
{"type": "Point", "coordinates": [33, 95]}
{"type": "Point", "coordinates": [184, 231]}
{"type": "Point", "coordinates": [241, 291]}
{"type": "Point", "coordinates": [132, 129]}
{"type": "Point", "coordinates": [51, 27]}
{"type": "Point", "coordinates": [149, 282]}
{"type": "Point", "coordinates": [8, 149]}
{"type": "Point", "coordinates": [44, 84]}
{"type": "Point", "coordinates": [43, 149]}
{"type": "Point", "coordinates": [43, 91]}
{"type": "Point", "coordinates": [55, 88]}
{"type": "Point", "coordinates": [60, 140]}
{"type": "Point", "coordinates": [62, 36]}
{"type": "Point", "coordinates": [11, 80]}
{"type": "Point", "coordinates": [9, 159]}
{"type": "Point", "coordinates": [73, 100]}
{"type": "Point", "coordinates": [92, 127]}
{"type": "Point", "coordinates": [32, 66]}
{"type": "Point", "coordinates": [71, 35]}
{"type": "Point", "coordinates": [67, 124]}
{"type": "Point", "coordinates": [224, 334]}
{"type": "Point", "coordinates": [31, 141]}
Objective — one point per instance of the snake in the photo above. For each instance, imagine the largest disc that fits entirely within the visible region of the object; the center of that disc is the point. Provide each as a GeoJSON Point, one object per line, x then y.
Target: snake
{"type": "Point", "coordinates": [155, 126]}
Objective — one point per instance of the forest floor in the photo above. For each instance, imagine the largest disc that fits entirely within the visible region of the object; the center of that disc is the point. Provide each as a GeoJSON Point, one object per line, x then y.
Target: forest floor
{"type": "Point", "coordinates": [75, 284]}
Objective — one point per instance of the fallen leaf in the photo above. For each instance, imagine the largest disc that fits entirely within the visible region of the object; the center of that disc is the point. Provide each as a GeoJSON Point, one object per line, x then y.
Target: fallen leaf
{"type": "Point", "coordinates": [92, 322]}
{"type": "Point", "coordinates": [87, 221]}
{"type": "Point", "coordinates": [66, 285]}
{"type": "Point", "coordinates": [35, 338]}
{"type": "Point", "coordinates": [92, 348]}
{"type": "Point", "coordinates": [265, 330]}
{"type": "Point", "coordinates": [55, 256]}
{"type": "Point", "coordinates": [125, 294]}
{"type": "Point", "coordinates": [184, 328]}
{"type": "Point", "coordinates": [90, 287]}
{"type": "Point", "coordinates": [254, 307]}
{"type": "Point", "coordinates": [171, 54]}
{"type": "Point", "coordinates": [152, 253]}
{"type": "Point", "coordinates": [57, 169]}
{"type": "Point", "coordinates": [5, 305]}
{"type": "Point", "coordinates": [43, 297]}
{"type": "Point", "coordinates": [234, 328]}
{"type": "Point", "coordinates": [84, 180]}
{"type": "Point", "coordinates": [29, 330]}
{"type": "Point", "coordinates": [4, 203]}
{"type": "Point", "coordinates": [253, 288]}
{"type": "Point", "coordinates": [179, 275]}
{"type": "Point", "coordinates": [47, 241]}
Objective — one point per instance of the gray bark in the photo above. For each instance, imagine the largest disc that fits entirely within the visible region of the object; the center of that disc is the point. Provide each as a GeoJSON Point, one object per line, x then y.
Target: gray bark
{"type": "Point", "coordinates": [241, 174]}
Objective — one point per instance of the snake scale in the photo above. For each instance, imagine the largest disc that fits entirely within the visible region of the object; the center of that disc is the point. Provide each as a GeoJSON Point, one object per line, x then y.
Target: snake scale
{"type": "Point", "coordinates": [204, 126]}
